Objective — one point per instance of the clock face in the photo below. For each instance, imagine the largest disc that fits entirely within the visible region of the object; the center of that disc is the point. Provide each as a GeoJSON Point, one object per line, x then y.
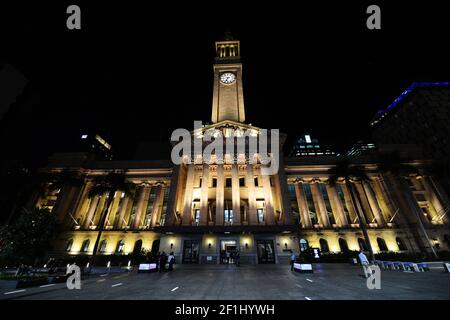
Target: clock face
{"type": "Point", "coordinates": [227, 77]}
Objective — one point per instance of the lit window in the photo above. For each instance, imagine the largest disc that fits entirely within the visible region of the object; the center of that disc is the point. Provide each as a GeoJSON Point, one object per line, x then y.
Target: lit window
{"type": "Point", "coordinates": [84, 136]}
{"type": "Point", "coordinates": [260, 213]}
{"type": "Point", "coordinates": [308, 138]}
{"type": "Point", "coordinates": [197, 216]}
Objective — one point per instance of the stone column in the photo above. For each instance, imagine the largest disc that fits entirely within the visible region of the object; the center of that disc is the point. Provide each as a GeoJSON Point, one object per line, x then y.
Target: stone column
{"type": "Point", "coordinates": [442, 195]}
{"type": "Point", "coordinates": [302, 206]}
{"type": "Point", "coordinates": [349, 204]}
{"type": "Point", "coordinates": [366, 212]}
{"type": "Point", "coordinates": [268, 206]}
{"type": "Point", "coordinates": [122, 212]}
{"type": "Point", "coordinates": [285, 202]}
{"type": "Point", "coordinates": [374, 205]}
{"type": "Point", "coordinates": [336, 205]}
{"type": "Point", "coordinates": [204, 196]}
{"type": "Point", "coordinates": [112, 211]}
{"type": "Point", "coordinates": [173, 197]}
{"type": "Point", "coordinates": [387, 208]}
{"type": "Point", "coordinates": [432, 198]}
{"type": "Point", "coordinates": [187, 210]}
{"type": "Point", "coordinates": [83, 202]}
{"type": "Point", "coordinates": [142, 202]}
{"type": "Point", "coordinates": [252, 215]}
{"type": "Point", "coordinates": [235, 194]}
{"type": "Point", "coordinates": [319, 203]}
{"type": "Point", "coordinates": [157, 205]}
{"type": "Point", "coordinates": [220, 188]}
{"type": "Point", "coordinates": [90, 214]}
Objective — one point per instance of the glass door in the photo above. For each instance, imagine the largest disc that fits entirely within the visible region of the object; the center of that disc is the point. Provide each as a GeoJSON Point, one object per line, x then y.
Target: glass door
{"type": "Point", "coordinates": [266, 252]}
{"type": "Point", "coordinates": [190, 251]}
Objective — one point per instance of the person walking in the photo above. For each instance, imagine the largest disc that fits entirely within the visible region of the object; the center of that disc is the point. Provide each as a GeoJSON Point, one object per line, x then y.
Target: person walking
{"type": "Point", "coordinates": [293, 258]}
{"type": "Point", "coordinates": [171, 260]}
{"type": "Point", "coordinates": [228, 257]}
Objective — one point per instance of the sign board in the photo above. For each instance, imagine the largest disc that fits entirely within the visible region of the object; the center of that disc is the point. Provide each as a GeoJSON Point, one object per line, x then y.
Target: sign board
{"type": "Point", "coordinates": [303, 267]}
{"type": "Point", "coordinates": [147, 267]}
{"type": "Point", "coordinates": [208, 258]}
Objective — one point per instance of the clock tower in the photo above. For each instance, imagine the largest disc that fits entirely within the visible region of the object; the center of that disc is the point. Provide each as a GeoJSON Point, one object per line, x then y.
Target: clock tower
{"type": "Point", "coordinates": [228, 98]}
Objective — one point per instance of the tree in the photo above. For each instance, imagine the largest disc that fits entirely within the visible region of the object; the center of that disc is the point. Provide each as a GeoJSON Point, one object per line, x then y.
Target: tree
{"type": "Point", "coordinates": [107, 186]}
{"type": "Point", "coordinates": [29, 237]}
{"type": "Point", "coordinates": [393, 166]}
{"type": "Point", "coordinates": [349, 173]}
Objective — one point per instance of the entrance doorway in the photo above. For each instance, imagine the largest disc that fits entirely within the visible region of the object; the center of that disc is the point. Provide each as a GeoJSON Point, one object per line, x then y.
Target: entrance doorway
{"type": "Point", "coordinates": [227, 249]}
{"type": "Point", "coordinates": [266, 252]}
{"type": "Point", "coordinates": [190, 251]}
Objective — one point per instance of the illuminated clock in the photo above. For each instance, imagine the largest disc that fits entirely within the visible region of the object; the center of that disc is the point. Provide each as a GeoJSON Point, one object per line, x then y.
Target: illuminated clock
{"type": "Point", "coordinates": [227, 77]}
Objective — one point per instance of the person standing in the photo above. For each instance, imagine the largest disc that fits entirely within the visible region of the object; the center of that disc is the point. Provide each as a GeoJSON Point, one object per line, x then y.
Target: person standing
{"type": "Point", "coordinates": [365, 263]}
{"type": "Point", "coordinates": [237, 258]}
{"type": "Point", "coordinates": [171, 260]}
{"type": "Point", "coordinates": [363, 258]}
{"type": "Point", "coordinates": [293, 258]}
{"type": "Point", "coordinates": [228, 257]}
{"type": "Point", "coordinates": [163, 259]}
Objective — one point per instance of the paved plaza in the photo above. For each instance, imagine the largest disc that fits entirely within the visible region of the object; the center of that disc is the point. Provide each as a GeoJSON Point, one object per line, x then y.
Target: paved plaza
{"type": "Point", "coordinates": [255, 282]}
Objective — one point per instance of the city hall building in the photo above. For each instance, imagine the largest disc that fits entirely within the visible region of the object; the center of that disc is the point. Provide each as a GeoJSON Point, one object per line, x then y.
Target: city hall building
{"type": "Point", "coordinates": [201, 208]}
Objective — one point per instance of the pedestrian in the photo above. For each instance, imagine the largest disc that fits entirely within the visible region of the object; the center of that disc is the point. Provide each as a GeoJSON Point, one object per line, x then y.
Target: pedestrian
{"type": "Point", "coordinates": [293, 258]}
{"type": "Point", "coordinates": [163, 262]}
{"type": "Point", "coordinates": [158, 260]}
{"type": "Point", "coordinates": [363, 259]}
{"type": "Point", "coordinates": [228, 256]}
{"type": "Point", "coordinates": [171, 260]}
{"type": "Point", "coordinates": [237, 257]}
{"type": "Point", "coordinates": [365, 263]}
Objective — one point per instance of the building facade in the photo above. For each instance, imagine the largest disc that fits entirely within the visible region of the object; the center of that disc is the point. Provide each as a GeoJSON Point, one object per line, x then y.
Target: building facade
{"type": "Point", "coordinates": [204, 207]}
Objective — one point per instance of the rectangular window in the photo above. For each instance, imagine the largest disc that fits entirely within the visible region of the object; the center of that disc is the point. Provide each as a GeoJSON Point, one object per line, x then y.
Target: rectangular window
{"type": "Point", "coordinates": [256, 182]}
{"type": "Point", "coordinates": [228, 183]}
{"type": "Point", "coordinates": [200, 182]}
{"type": "Point", "coordinates": [228, 216]}
{"type": "Point", "coordinates": [197, 216]}
{"type": "Point", "coordinates": [260, 212]}
{"type": "Point", "coordinates": [214, 182]}
{"type": "Point", "coordinates": [241, 182]}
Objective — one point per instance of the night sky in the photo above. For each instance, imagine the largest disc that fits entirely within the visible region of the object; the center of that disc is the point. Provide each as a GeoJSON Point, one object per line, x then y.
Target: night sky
{"type": "Point", "coordinates": [137, 71]}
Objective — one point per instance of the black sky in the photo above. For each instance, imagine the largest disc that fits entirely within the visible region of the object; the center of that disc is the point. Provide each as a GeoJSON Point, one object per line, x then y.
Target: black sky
{"type": "Point", "coordinates": [137, 70]}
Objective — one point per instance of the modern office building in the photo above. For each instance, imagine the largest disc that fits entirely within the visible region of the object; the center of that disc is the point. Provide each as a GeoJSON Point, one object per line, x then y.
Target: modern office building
{"type": "Point", "coordinates": [421, 116]}
{"type": "Point", "coordinates": [206, 206]}
{"type": "Point", "coordinates": [308, 146]}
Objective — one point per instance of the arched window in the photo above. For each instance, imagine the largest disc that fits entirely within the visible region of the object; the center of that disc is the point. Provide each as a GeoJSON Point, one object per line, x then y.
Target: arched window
{"type": "Point", "coordinates": [382, 244]}
{"type": "Point", "coordinates": [362, 244]}
{"type": "Point", "coordinates": [85, 245]}
{"type": "Point", "coordinates": [69, 245]}
{"type": "Point", "coordinates": [103, 246]}
{"type": "Point", "coordinates": [324, 245]}
{"type": "Point", "coordinates": [137, 247]}
{"type": "Point", "coordinates": [343, 245]}
{"type": "Point", "coordinates": [400, 244]}
{"type": "Point", "coordinates": [120, 245]}
{"type": "Point", "coordinates": [303, 245]}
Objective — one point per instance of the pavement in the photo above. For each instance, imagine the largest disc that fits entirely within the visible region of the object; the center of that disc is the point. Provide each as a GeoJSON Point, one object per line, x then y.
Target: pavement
{"type": "Point", "coordinates": [248, 282]}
